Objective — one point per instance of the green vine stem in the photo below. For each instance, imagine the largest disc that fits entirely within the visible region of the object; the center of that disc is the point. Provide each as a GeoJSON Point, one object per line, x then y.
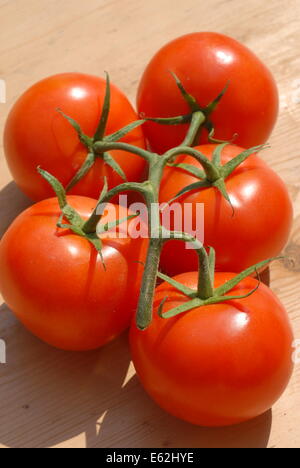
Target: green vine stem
{"type": "Point", "coordinates": [213, 174]}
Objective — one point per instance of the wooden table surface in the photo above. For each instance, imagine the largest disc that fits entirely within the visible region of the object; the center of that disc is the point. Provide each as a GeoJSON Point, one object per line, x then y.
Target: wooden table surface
{"type": "Point", "coordinates": [50, 398]}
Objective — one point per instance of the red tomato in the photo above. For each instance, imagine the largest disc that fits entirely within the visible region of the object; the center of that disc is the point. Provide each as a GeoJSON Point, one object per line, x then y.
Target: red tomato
{"type": "Point", "coordinates": [55, 283]}
{"type": "Point", "coordinates": [37, 135]}
{"type": "Point", "coordinates": [259, 228]}
{"type": "Point", "coordinates": [205, 62]}
{"type": "Point", "coordinates": [216, 365]}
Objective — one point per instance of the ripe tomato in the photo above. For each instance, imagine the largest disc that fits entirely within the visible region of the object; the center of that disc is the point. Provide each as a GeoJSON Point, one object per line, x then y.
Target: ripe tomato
{"type": "Point", "coordinates": [55, 283]}
{"type": "Point", "coordinates": [216, 365]}
{"type": "Point", "coordinates": [259, 227]}
{"type": "Point", "coordinates": [205, 62]}
{"type": "Point", "coordinates": [36, 134]}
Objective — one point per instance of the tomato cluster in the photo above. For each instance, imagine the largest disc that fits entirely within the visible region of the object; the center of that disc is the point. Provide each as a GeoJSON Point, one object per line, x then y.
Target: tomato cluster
{"type": "Point", "coordinates": [212, 348]}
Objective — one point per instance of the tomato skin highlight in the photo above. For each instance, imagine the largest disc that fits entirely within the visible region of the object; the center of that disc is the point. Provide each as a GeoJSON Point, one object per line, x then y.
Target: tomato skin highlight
{"type": "Point", "coordinates": [36, 134]}
{"type": "Point", "coordinates": [217, 365]}
{"type": "Point", "coordinates": [259, 228]}
{"type": "Point", "coordinates": [205, 62]}
{"type": "Point", "coordinates": [56, 285]}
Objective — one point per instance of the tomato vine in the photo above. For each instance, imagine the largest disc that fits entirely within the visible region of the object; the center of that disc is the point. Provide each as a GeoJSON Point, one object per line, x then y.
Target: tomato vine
{"type": "Point", "coordinates": [214, 175]}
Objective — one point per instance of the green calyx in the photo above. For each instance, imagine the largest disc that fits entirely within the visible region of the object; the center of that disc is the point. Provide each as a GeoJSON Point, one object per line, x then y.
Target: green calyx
{"type": "Point", "coordinates": [195, 107]}
{"type": "Point", "coordinates": [91, 229]}
{"type": "Point", "coordinates": [91, 142]}
{"type": "Point", "coordinates": [199, 298]}
{"type": "Point", "coordinates": [214, 174]}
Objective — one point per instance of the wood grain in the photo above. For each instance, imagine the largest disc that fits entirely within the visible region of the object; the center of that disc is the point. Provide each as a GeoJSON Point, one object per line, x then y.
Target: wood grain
{"type": "Point", "coordinates": [50, 398]}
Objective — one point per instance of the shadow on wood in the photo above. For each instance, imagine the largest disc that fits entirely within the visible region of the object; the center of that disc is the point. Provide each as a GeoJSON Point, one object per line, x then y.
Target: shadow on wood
{"type": "Point", "coordinates": [48, 396]}
{"type": "Point", "coordinates": [150, 426]}
{"type": "Point", "coordinates": [265, 277]}
{"type": "Point", "coordinates": [12, 203]}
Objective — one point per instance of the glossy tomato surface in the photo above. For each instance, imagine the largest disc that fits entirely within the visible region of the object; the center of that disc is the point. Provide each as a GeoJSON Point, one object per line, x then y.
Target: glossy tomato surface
{"type": "Point", "coordinates": [220, 364]}
{"type": "Point", "coordinates": [36, 134]}
{"type": "Point", "coordinates": [55, 283]}
{"type": "Point", "coordinates": [205, 62]}
{"type": "Point", "coordinates": [257, 230]}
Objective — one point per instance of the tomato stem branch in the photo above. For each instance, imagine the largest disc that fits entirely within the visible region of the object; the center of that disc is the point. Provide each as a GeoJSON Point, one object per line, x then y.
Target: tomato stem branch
{"type": "Point", "coordinates": [103, 146]}
{"type": "Point", "coordinates": [206, 267]}
{"type": "Point", "coordinates": [193, 133]}
{"type": "Point", "coordinates": [91, 225]}
{"type": "Point", "coordinates": [211, 170]}
{"type": "Point", "coordinates": [144, 312]}
{"type": "Point", "coordinates": [159, 235]}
